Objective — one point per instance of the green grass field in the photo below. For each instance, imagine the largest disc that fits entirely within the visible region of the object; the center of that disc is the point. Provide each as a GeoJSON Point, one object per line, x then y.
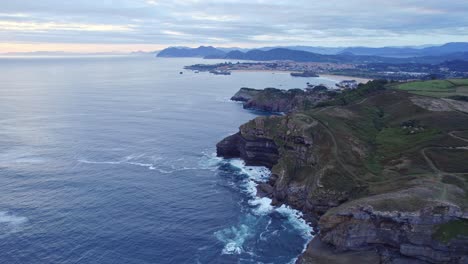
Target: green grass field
{"type": "Point", "coordinates": [436, 88]}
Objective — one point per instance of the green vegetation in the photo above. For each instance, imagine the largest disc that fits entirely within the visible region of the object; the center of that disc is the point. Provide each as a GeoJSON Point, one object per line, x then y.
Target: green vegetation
{"type": "Point", "coordinates": [459, 81]}
{"type": "Point", "coordinates": [351, 96]}
{"type": "Point", "coordinates": [454, 180]}
{"type": "Point", "coordinates": [449, 160]}
{"type": "Point", "coordinates": [392, 141]}
{"type": "Point", "coordinates": [448, 231]}
{"type": "Point", "coordinates": [436, 85]}
{"type": "Point", "coordinates": [437, 88]}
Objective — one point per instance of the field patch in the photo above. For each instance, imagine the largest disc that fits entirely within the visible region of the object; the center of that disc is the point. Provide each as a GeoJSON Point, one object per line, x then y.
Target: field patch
{"type": "Point", "coordinates": [436, 88]}
{"type": "Point", "coordinates": [449, 160]}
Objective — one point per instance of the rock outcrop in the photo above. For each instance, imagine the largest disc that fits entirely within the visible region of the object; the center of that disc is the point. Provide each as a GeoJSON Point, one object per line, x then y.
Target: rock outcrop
{"type": "Point", "coordinates": [255, 152]}
{"type": "Point", "coordinates": [276, 100]}
{"type": "Point", "coordinates": [361, 179]}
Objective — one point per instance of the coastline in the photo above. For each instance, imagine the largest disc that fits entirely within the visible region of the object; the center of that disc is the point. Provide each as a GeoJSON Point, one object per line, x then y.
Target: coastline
{"type": "Point", "coordinates": [344, 77]}
{"type": "Point", "coordinates": [333, 77]}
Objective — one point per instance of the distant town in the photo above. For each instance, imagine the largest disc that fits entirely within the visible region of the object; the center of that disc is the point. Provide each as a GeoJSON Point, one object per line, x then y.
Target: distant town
{"type": "Point", "coordinates": [392, 72]}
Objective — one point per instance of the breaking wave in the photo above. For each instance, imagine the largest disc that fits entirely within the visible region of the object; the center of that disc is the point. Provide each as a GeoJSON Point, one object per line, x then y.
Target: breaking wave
{"type": "Point", "coordinates": [259, 212]}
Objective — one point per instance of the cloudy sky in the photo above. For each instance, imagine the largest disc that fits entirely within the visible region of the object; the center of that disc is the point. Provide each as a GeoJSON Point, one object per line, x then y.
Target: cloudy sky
{"type": "Point", "coordinates": [126, 25]}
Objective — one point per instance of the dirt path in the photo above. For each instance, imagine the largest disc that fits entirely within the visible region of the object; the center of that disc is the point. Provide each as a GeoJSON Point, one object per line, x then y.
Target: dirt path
{"type": "Point", "coordinates": [431, 163]}
{"type": "Point", "coordinates": [452, 134]}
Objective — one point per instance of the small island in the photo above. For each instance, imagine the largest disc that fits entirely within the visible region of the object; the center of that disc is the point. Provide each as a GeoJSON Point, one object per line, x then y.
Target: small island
{"type": "Point", "coordinates": [304, 74]}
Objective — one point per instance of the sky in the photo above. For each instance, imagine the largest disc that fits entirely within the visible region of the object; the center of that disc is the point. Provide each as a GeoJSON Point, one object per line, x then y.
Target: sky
{"type": "Point", "coordinates": [130, 25]}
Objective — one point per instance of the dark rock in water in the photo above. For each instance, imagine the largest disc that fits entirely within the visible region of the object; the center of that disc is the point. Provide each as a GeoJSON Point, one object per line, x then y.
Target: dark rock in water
{"type": "Point", "coordinates": [219, 72]}
{"type": "Point", "coordinates": [304, 74]}
{"type": "Point", "coordinates": [264, 190]}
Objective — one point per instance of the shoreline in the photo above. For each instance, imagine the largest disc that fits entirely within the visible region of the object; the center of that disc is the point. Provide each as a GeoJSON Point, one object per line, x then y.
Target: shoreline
{"type": "Point", "coordinates": [344, 77]}
{"type": "Point", "coordinates": [332, 77]}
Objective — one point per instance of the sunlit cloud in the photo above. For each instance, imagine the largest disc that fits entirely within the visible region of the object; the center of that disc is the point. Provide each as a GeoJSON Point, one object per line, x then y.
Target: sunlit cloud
{"type": "Point", "coordinates": [151, 2]}
{"type": "Point", "coordinates": [48, 26]}
{"type": "Point", "coordinates": [173, 33]}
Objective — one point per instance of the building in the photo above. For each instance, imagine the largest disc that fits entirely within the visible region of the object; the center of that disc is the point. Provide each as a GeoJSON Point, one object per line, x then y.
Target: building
{"type": "Point", "coordinates": [348, 84]}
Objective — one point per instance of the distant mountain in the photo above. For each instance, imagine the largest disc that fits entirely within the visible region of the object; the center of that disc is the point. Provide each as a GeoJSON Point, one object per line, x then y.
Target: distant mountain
{"type": "Point", "coordinates": [232, 49]}
{"type": "Point", "coordinates": [421, 54]}
{"type": "Point", "coordinates": [319, 50]}
{"type": "Point", "coordinates": [202, 51]}
{"type": "Point", "coordinates": [347, 57]}
{"type": "Point", "coordinates": [276, 54]}
{"type": "Point", "coordinates": [302, 56]}
{"type": "Point", "coordinates": [406, 52]}
{"type": "Point", "coordinates": [448, 48]}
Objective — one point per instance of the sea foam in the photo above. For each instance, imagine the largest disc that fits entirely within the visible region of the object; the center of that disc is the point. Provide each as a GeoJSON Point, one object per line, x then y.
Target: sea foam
{"type": "Point", "coordinates": [235, 236]}
{"type": "Point", "coordinates": [10, 223]}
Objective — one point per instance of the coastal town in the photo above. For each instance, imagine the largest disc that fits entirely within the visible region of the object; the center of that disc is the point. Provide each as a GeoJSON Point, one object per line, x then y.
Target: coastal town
{"type": "Point", "coordinates": [391, 72]}
{"type": "Point", "coordinates": [286, 66]}
{"type": "Point", "coordinates": [306, 70]}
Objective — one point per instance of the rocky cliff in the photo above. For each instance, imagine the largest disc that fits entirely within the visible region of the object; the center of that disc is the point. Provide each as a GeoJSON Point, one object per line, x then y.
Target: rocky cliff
{"type": "Point", "coordinates": [371, 175]}
{"type": "Point", "coordinates": [276, 100]}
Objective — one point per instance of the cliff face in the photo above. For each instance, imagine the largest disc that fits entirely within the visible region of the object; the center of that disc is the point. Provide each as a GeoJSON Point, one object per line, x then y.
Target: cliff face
{"type": "Point", "coordinates": [406, 233]}
{"type": "Point", "coordinates": [255, 152]}
{"type": "Point", "coordinates": [276, 100]}
{"type": "Point", "coordinates": [364, 179]}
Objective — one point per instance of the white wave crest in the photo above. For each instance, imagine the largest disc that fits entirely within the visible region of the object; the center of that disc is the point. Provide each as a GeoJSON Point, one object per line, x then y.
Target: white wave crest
{"type": "Point", "coordinates": [234, 238]}
{"type": "Point", "coordinates": [210, 161]}
{"type": "Point", "coordinates": [10, 223]}
{"type": "Point", "coordinates": [262, 206]}
{"type": "Point", "coordinates": [294, 218]}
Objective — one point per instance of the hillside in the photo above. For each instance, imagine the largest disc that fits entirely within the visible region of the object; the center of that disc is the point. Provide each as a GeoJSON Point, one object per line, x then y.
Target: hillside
{"type": "Point", "coordinates": [451, 89]}
{"type": "Point", "coordinates": [402, 52]}
{"type": "Point", "coordinates": [376, 169]}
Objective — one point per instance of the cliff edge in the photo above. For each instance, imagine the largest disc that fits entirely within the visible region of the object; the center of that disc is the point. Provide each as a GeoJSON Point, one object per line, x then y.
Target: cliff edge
{"type": "Point", "coordinates": [381, 174]}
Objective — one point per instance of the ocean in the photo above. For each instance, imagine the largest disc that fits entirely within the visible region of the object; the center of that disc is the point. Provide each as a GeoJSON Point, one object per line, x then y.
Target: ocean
{"type": "Point", "coordinates": [112, 160]}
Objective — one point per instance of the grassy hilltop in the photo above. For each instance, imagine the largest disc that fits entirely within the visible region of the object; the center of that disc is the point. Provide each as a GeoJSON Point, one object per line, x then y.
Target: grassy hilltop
{"type": "Point", "coordinates": [437, 88]}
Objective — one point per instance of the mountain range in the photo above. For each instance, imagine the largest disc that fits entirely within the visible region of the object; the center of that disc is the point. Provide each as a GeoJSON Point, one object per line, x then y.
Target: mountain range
{"type": "Point", "coordinates": [429, 54]}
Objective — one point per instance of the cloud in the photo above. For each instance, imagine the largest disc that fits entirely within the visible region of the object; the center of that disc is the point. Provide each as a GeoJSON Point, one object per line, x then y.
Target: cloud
{"type": "Point", "coordinates": [235, 22]}
{"type": "Point", "coordinates": [53, 26]}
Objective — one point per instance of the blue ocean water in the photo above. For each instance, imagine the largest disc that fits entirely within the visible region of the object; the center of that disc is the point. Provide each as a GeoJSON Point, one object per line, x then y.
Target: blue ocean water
{"type": "Point", "coordinates": [111, 160]}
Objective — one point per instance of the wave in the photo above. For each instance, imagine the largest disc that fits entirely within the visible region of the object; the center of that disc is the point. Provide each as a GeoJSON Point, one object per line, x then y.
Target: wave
{"type": "Point", "coordinates": [149, 110]}
{"type": "Point", "coordinates": [133, 159]}
{"type": "Point", "coordinates": [295, 218]}
{"type": "Point", "coordinates": [227, 100]}
{"type": "Point", "coordinates": [209, 161]}
{"type": "Point", "coordinates": [10, 223]}
{"type": "Point", "coordinates": [159, 164]}
{"type": "Point", "coordinates": [235, 237]}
